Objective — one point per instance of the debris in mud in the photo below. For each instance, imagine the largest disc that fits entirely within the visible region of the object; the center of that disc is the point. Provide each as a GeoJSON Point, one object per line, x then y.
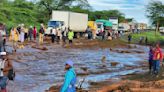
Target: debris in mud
{"type": "Point", "coordinates": [127, 51]}
{"type": "Point", "coordinates": [103, 60]}
{"type": "Point", "coordinates": [40, 48]}
{"type": "Point", "coordinates": [135, 86]}
{"type": "Point", "coordinates": [85, 69]}
{"type": "Point", "coordinates": [139, 52]}
{"type": "Point", "coordinates": [114, 63]}
{"type": "Point", "coordinates": [132, 46]}
{"type": "Point", "coordinates": [53, 89]}
{"type": "Point", "coordinates": [57, 89]}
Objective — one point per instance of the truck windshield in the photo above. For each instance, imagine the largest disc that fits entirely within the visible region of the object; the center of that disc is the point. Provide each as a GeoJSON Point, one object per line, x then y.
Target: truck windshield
{"type": "Point", "coordinates": [99, 25]}
{"type": "Point", "coordinates": [53, 24]}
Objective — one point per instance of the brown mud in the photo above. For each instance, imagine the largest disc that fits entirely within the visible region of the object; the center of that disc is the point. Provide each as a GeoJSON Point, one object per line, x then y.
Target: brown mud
{"type": "Point", "coordinates": [38, 67]}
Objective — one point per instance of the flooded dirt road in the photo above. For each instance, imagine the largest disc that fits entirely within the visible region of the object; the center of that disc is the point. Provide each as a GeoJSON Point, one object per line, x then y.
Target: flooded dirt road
{"type": "Point", "coordinates": [37, 70]}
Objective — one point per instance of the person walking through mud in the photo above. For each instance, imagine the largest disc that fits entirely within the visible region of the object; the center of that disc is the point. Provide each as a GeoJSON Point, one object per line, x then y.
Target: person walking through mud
{"type": "Point", "coordinates": [146, 40]}
{"type": "Point", "coordinates": [5, 67]}
{"type": "Point", "coordinates": [3, 34]}
{"type": "Point", "coordinates": [157, 58]}
{"type": "Point", "coordinates": [26, 33]}
{"type": "Point", "coordinates": [151, 52]}
{"type": "Point", "coordinates": [64, 35]}
{"type": "Point", "coordinates": [53, 34]}
{"type": "Point", "coordinates": [14, 37]}
{"type": "Point", "coordinates": [58, 35]}
{"type": "Point", "coordinates": [19, 30]}
{"type": "Point", "coordinates": [70, 36]}
{"type": "Point", "coordinates": [2, 37]}
{"type": "Point", "coordinates": [70, 78]}
{"type": "Point", "coordinates": [41, 34]}
{"type": "Point", "coordinates": [30, 32]}
{"type": "Point", "coordinates": [129, 38]}
{"type": "Point", "coordinates": [34, 33]}
{"type": "Point", "coordinates": [22, 36]}
{"type": "Point", "coordinates": [1, 41]}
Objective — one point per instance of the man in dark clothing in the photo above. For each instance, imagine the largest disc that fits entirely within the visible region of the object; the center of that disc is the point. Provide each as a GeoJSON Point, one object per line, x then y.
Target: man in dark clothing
{"type": "Point", "coordinates": [151, 52]}
{"type": "Point", "coordinates": [52, 35]}
{"type": "Point", "coordinates": [30, 32]}
{"type": "Point", "coordinates": [129, 38]}
{"type": "Point", "coordinates": [19, 29]}
{"type": "Point", "coordinates": [41, 34]}
{"type": "Point", "coordinates": [2, 37]}
{"type": "Point", "coordinates": [1, 42]}
{"type": "Point", "coordinates": [89, 32]}
{"type": "Point", "coordinates": [64, 35]}
{"type": "Point", "coordinates": [146, 40]}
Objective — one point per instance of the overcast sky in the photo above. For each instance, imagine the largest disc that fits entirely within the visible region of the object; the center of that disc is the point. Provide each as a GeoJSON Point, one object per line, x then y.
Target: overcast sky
{"type": "Point", "coordinates": [131, 8]}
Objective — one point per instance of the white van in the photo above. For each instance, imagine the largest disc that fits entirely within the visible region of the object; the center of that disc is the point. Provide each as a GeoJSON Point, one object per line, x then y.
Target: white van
{"type": "Point", "coordinates": [161, 29]}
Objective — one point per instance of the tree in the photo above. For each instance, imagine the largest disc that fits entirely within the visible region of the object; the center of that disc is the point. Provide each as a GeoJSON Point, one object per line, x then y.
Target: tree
{"type": "Point", "coordinates": [155, 11]}
{"type": "Point", "coordinates": [50, 5]}
{"type": "Point", "coordinates": [106, 14]}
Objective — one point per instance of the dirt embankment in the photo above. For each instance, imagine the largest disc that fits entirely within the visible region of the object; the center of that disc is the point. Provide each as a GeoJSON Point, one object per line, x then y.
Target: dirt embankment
{"type": "Point", "coordinates": [145, 82]}
{"type": "Point", "coordinates": [84, 44]}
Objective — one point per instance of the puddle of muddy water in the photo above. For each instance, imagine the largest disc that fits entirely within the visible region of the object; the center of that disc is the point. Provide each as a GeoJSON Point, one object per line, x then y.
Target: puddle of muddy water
{"type": "Point", "coordinates": [44, 68]}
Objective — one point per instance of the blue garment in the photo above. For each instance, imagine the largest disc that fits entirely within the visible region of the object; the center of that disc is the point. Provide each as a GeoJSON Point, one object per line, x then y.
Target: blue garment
{"type": "Point", "coordinates": [156, 66]}
{"type": "Point", "coordinates": [150, 55]}
{"type": "Point", "coordinates": [69, 82]}
{"type": "Point", "coordinates": [3, 82]}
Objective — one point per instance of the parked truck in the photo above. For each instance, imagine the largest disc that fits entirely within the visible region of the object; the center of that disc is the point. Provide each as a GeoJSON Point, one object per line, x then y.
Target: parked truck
{"type": "Point", "coordinates": [76, 22]}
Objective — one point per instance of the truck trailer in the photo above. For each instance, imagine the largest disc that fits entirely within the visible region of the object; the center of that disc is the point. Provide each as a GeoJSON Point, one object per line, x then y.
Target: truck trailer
{"type": "Point", "coordinates": [76, 22]}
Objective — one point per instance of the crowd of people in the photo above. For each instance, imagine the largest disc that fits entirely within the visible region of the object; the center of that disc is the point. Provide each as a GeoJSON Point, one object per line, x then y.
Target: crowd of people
{"type": "Point", "coordinates": [155, 59]}
{"type": "Point", "coordinates": [142, 39]}
{"type": "Point", "coordinates": [19, 34]}
{"type": "Point", "coordinates": [63, 33]}
{"type": "Point", "coordinates": [103, 34]}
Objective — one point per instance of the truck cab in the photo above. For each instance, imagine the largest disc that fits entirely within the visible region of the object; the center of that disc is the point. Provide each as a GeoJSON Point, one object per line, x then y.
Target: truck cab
{"type": "Point", "coordinates": [54, 24]}
{"type": "Point", "coordinates": [100, 28]}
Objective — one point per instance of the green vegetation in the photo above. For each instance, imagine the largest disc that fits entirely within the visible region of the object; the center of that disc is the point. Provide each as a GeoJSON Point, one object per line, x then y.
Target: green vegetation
{"type": "Point", "coordinates": [14, 12]}
{"type": "Point", "coordinates": [152, 37]}
{"type": "Point", "coordinates": [17, 12]}
{"type": "Point", "coordinates": [155, 11]}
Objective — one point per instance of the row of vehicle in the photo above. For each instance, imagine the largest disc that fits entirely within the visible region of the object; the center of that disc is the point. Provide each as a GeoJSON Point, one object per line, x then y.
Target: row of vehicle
{"type": "Point", "coordinates": [78, 22]}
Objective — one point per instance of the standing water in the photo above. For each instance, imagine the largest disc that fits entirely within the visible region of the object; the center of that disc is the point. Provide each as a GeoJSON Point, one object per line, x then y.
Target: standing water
{"type": "Point", "coordinates": [38, 70]}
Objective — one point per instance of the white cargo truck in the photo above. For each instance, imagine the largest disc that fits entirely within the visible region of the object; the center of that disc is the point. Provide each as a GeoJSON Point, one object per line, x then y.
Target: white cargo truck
{"type": "Point", "coordinates": [65, 19]}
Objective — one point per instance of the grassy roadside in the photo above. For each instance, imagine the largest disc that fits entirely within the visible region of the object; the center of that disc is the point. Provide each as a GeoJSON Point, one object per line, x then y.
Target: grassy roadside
{"type": "Point", "coordinates": [152, 37]}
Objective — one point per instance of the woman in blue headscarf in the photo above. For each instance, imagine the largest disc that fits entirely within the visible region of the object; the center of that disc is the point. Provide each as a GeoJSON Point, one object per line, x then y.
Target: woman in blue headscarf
{"type": "Point", "coordinates": [70, 78]}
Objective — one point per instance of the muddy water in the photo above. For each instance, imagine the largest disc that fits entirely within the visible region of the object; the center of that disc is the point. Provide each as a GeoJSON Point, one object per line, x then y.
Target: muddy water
{"type": "Point", "coordinates": [38, 70]}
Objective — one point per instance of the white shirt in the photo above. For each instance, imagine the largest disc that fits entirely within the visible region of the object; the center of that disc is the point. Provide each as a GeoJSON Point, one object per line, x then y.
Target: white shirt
{"type": "Point", "coordinates": [58, 32]}
{"type": "Point", "coordinates": [2, 65]}
{"type": "Point", "coordinates": [54, 31]}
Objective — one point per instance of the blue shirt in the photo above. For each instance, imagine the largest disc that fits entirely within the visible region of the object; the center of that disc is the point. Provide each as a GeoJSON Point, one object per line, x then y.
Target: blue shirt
{"type": "Point", "coordinates": [69, 82]}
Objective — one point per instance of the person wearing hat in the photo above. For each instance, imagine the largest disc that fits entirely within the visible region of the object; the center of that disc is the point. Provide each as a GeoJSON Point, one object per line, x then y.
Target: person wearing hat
{"type": "Point", "coordinates": [70, 78]}
{"type": "Point", "coordinates": [5, 66]}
